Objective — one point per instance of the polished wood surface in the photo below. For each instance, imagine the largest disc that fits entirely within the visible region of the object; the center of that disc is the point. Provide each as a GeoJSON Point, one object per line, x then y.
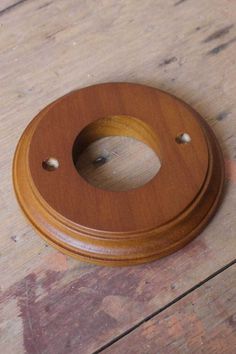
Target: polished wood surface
{"type": "Point", "coordinates": [52, 303]}
{"type": "Point", "coordinates": [118, 228]}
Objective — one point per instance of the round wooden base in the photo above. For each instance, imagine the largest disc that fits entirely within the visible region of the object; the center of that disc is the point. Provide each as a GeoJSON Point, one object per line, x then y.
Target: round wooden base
{"type": "Point", "coordinates": [118, 227]}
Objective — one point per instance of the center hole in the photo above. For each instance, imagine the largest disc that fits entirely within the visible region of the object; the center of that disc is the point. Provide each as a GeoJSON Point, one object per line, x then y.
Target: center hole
{"type": "Point", "coordinates": [117, 162]}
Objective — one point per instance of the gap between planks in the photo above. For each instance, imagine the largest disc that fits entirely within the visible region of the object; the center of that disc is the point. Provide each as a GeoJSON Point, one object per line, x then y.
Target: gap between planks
{"type": "Point", "coordinates": [155, 313]}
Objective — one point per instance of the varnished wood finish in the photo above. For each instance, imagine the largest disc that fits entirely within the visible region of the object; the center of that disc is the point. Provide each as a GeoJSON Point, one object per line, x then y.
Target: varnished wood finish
{"type": "Point", "coordinates": [118, 228]}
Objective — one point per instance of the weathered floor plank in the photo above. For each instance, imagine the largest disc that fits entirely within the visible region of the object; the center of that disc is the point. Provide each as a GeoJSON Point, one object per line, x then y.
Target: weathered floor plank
{"type": "Point", "coordinates": [202, 322]}
{"type": "Point", "coordinates": [8, 5]}
{"type": "Point", "coordinates": [52, 304]}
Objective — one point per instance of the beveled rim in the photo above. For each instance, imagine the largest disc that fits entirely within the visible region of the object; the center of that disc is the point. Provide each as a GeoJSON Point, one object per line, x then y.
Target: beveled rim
{"type": "Point", "coordinates": [84, 244]}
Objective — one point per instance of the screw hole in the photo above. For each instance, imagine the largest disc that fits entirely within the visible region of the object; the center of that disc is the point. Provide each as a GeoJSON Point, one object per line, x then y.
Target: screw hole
{"type": "Point", "coordinates": [50, 164]}
{"type": "Point", "coordinates": [183, 138]}
{"type": "Point", "coordinates": [100, 160]}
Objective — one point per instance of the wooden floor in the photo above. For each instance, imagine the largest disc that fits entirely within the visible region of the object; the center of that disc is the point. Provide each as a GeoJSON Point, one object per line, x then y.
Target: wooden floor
{"type": "Point", "coordinates": [185, 303]}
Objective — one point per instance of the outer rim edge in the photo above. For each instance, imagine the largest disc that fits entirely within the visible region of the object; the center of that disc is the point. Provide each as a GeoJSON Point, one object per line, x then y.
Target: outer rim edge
{"type": "Point", "coordinates": [217, 159]}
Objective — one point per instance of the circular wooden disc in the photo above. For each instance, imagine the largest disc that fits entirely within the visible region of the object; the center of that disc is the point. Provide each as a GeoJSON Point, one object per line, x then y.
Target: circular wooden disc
{"type": "Point", "coordinates": [118, 228]}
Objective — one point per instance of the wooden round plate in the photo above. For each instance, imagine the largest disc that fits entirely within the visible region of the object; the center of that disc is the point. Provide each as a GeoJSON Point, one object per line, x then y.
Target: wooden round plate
{"type": "Point", "coordinates": [125, 227]}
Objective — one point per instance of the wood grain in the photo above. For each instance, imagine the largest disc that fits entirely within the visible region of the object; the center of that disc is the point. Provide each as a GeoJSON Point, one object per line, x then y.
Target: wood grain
{"type": "Point", "coordinates": [202, 322]}
{"type": "Point", "coordinates": [8, 5]}
{"type": "Point", "coordinates": [50, 48]}
{"type": "Point", "coordinates": [122, 228]}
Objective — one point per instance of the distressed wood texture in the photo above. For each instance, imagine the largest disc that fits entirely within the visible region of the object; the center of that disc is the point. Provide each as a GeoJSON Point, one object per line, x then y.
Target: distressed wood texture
{"type": "Point", "coordinates": [51, 303]}
{"type": "Point", "coordinates": [204, 321]}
